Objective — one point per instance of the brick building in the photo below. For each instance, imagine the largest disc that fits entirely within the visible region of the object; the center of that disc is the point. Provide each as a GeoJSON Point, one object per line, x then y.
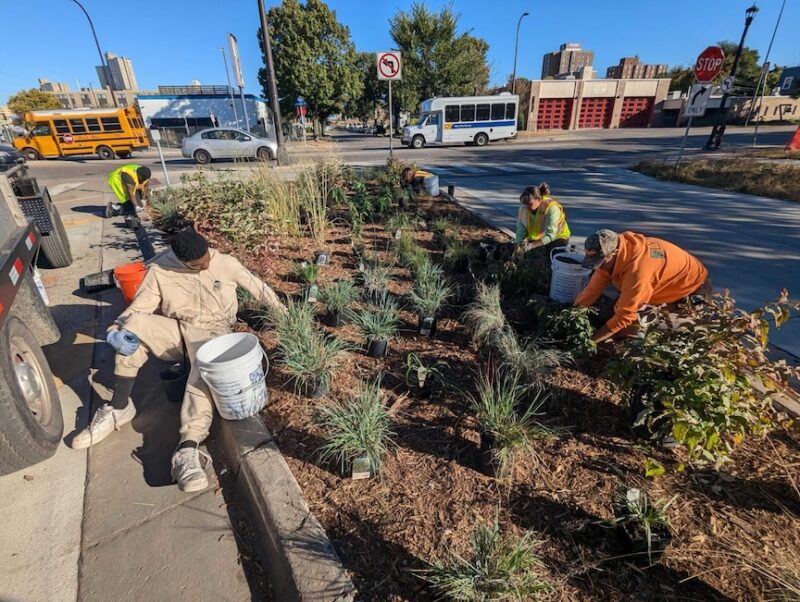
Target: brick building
{"type": "Point", "coordinates": [567, 61]}
{"type": "Point", "coordinates": [630, 67]}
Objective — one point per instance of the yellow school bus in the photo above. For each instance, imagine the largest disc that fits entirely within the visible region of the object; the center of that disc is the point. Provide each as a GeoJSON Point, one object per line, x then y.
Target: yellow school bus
{"type": "Point", "coordinates": [68, 132]}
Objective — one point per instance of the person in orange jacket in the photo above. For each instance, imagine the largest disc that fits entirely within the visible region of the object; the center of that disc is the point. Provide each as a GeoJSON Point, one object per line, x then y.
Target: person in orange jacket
{"type": "Point", "coordinates": [645, 270]}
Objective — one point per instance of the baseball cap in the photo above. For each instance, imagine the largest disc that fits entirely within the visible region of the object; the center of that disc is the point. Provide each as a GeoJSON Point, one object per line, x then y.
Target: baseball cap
{"type": "Point", "coordinates": [598, 246]}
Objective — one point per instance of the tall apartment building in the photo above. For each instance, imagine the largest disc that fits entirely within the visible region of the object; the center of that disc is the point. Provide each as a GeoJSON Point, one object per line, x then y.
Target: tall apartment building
{"type": "Point", "coordinates": [46, 85]}
{"type": "Point", "coordinates": [119, 73]}
{"type": "Point", "coordinates": [630, 67]}
{"type": "Point", "coordinates": [567, 61]}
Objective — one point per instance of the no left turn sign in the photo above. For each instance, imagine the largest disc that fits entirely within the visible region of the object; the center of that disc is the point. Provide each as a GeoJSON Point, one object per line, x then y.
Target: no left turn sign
{"type": "Point", "coordinates": [389, 66]}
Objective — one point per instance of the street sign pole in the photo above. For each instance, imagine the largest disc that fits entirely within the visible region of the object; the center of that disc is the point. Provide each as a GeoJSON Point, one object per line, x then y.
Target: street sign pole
{"type": "Point", "coordinates": [683, 143]}
{"type": "Point", "coordinates": [156, 136]}
{"type": "Point", "coordinates": [391, 123]}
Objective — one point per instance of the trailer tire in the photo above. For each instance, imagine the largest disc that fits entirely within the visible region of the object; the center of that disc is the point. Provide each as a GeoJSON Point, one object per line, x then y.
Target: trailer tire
{"type": "Point", "coordinates": [31, 423]}
{"type": "Point", "coordinates": [55, 250]}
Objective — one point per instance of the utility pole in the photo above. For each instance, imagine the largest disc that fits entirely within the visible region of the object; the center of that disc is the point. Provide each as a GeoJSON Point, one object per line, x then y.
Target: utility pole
{"type": "Point", "coordinates": [766, 74]}
{"type": "Point", "coordinates": [516, 47]}
{"type": "Point", "coordinates": [103, 63]}
{"type": "Point", "coordinates": [283, 155]}
{"type": "Point", "coordinates": [715, 138]}
{"type": "Point", "coordinates": [230, 88]}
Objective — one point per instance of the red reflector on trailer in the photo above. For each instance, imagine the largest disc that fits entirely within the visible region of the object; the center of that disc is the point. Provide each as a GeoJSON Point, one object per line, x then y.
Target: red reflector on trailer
{"type": "Point", "coordinates": [15, 272]}
{"type": "Point", "coordinates": [29, 242]}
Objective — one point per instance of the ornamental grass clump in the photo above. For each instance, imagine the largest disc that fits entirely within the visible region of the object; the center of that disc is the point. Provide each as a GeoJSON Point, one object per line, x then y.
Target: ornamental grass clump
{"type": "Point", "coordinates": [376, 279]}
{"type": "Point", "coordinates": [508, 419]}
{"type": "Point", "coordinates": [526, 359]}
{"type": "Point", "coordinates": [377, 323]}
{"type": "Point", "coordinates": [644, 522]}
{"type": "Point", "coordinates": [357, 429]}
{"type": "Point", "coordinates": [337, 299]}
{"type": "Point", "coordinates": [484, 318]}
{"type": "Point", "coordinates": [704, 377]}
{"type": "Point", "coordinates": [500, 566]}
{"type": "Point", "coordinates": [457, 253]}
{"type": "Point", "coordinates": [430, 291]}
{"type": "Point", "coordinates": [306, 353]}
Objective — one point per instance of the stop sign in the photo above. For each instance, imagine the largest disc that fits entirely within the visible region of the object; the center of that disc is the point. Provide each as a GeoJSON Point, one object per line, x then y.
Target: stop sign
{"type": "Point", "coordinates": [708, 64]}
{"type": "Point", "coordinates": [67, 139]}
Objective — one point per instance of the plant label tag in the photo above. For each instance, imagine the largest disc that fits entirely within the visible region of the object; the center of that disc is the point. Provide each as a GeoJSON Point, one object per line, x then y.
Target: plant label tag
{"type": "Point", "coordinates": [322, 259]}
{"type": "Point", "coordinates": [398, 233]}
{"type": "Point", "coordinates": [313, 291]}
{"type": "Point", "coordinates": [361, 469]}
{"type": "Point", "coordinates": [426, 326]}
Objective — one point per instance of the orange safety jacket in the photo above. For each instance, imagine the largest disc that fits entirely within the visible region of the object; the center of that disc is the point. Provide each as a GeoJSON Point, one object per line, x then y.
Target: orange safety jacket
{"type": "Point", "coordinates": [646, 271]}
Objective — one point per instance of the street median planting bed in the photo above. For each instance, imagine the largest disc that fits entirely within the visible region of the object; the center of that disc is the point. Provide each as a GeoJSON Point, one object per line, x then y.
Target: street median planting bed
{"type": "Point", "coordinates": [762, 177]}
{"type": "Point", "coordinates": [461, 437]}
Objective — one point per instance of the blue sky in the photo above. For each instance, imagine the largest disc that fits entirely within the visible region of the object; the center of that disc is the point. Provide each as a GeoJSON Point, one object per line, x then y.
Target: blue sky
{"type": "Point", "coordinates": [176, 41]}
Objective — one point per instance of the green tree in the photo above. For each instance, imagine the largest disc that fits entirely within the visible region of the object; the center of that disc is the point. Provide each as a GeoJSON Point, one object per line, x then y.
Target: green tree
{"type": "Point", "coordinates": [374, 92]}
{"type": "Point", "coordinates": [31, 100]}
{"type": "Point", "coordinates": [314, 58]}
{"type": "Point", "coordinates": [681, 78]}
{"type": "Point", "coordinates": [747, 72]}
{"type": "Point", "coordinates": [437, 60]}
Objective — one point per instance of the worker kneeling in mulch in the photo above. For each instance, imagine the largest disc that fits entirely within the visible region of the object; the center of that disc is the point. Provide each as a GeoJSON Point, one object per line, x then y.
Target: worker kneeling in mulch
{"type": "Point", "coordinates": [645, 271]}
{"type": "Point", "coordinates": [194, 289]}
{"type": "Point", "coordinates": [541, 227]}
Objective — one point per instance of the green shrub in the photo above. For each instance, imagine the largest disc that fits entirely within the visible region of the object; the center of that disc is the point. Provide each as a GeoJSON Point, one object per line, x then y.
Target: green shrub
{"type": "Point", "coordinates": [569, 327]}
{"type": "Point", "coordinates": [501, 566]}
{"type": "Point", "coordinates": [359, 427]}
{"type": "Point", "coordinates": [699, 374]}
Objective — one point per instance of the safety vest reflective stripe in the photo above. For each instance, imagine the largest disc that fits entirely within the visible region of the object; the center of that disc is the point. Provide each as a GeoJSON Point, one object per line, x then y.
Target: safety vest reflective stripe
{"type": "Point", "coordinates": [115, 181]}
{"type": "Point", "coordinates": [535, 222]}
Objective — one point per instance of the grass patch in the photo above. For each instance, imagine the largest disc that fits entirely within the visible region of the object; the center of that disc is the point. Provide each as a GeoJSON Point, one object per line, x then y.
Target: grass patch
{"type": "Point", "coordinates": [779, 181]}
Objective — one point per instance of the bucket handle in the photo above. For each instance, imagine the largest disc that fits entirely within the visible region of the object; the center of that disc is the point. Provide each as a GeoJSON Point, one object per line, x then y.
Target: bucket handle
{"type": "Point", "coordinates": [565, 249]}
{"type": "Point", "coordinates": [247, 388]}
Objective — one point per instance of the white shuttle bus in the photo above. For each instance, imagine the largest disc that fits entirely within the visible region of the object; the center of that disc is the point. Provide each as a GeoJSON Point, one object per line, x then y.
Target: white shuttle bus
{"type": "Point", "coordinates": [469, 119]}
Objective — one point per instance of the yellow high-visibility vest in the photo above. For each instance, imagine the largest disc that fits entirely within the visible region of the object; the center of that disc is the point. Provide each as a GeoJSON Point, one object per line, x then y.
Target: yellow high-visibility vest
{"type": "Point", "coordinates": [535, 222]}
{"type": "Point", "coordinates": [115, 181]}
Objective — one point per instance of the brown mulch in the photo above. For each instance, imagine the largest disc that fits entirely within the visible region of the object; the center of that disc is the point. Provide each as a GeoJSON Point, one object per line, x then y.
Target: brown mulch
{"type": "Point", "coordinates": [430, 493]}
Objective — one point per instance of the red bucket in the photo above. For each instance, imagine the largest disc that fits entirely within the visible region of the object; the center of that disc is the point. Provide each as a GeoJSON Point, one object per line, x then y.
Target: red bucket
{"type": "Point", "coordinates": [129, 278]}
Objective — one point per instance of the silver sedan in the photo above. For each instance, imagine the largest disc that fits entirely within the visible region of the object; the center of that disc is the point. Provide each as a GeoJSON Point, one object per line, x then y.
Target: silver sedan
{"type": "Point", "coordinates": [227, 143]}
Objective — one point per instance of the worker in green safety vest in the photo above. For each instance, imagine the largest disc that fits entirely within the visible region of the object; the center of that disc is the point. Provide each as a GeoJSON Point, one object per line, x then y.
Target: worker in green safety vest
{"type": "Point", "coordinates": [129, 184]}
{"type": "Point", "coordinates": [541, 221]}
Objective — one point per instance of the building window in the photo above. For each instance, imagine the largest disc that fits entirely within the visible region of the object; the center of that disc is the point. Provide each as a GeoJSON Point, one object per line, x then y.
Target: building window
{"type": "Point", "coordinates": [467, 112]}
{"type": "Point", "coordinates": [482, 112]}
{"type": "Point", "coordinates": [451, 114]}
{"type": "Point", "coordinates": [787, 82]}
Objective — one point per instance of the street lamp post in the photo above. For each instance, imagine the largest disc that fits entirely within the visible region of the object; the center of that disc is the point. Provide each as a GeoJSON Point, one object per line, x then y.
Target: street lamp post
{"type": "Point", "coordinates": [99, 52]}
{"type": "Point", "coordinates": [230, 88]}
{"type": "Point", "coordinates": [715, 138]}
{"type": "Point", "coordinates": [283, 156]}
{"type": "Point", "coordinates": [516, 47]}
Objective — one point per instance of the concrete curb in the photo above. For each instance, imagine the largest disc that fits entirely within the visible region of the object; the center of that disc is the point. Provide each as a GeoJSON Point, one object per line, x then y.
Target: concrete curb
{"type": "Point", "coordinates": [295, 551]}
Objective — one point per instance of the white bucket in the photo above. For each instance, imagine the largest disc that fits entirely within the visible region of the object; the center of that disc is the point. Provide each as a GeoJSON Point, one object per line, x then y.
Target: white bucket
{"type": "Point", "coordinates": [431, 185]}
{"type": "Point", "coordinates": [568, 278]}
{"type": "Point", "coordinates": [231, 367]}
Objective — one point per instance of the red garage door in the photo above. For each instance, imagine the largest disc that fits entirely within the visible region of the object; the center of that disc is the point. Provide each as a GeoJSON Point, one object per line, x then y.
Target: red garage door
{"type": "Point", "coordinates": [554, 113]}
{"type": "Point", "coordinates": [595, 112]}
{"type": "Point", "coordinates": [636, 112]}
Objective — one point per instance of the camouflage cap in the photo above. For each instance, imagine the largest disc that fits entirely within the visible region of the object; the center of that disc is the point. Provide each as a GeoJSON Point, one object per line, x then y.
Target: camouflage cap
{"type": "Point", "coordinates": [598, 246]}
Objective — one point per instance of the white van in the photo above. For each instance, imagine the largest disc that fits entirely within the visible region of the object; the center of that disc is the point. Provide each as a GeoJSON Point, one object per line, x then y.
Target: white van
{"type": "Point", "coordinates": [468, 119]}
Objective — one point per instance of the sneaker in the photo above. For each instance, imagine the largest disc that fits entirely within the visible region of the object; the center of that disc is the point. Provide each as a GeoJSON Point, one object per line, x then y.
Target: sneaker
{"type": "Point", "coordinates": [188, 469]}
{"type": "Point", "coordinates": [109, 210]}
{"type": "Point", "coordinates": [106, 420]}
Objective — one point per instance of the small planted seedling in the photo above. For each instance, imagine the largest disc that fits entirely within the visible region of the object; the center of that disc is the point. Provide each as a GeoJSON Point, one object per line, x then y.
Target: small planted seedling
{"type": "Point", "coordinates": [420, 374]}
{"type": "Point", "coordinates": [376, 279]}
{"type": "Point", "coordinates": [642, 525]}
{"type": "Point", "coordinates": [378, 324]}
{"type": "Point", "coordinates": [507, 431]}
{"type": "Point", "coordinates": [501, 566]}
{"type": "Point", "coordinates": [308, 273]}
{"type": "Point", "coordinates": [357, 432]}
{"type": "Point", "coordinates": [484, 318]}
{"type": "Point", "coordinates": [528, 359]}
{"type": "Point", "coordinates": [397, 223]}
{"type": "Point", "coordinates": [443, 229]}
{"type": "Point", "coordinates": [337, 298]}
{"type": "Point", "coordinates": [458, 253]}
{"type": "Point", "coordinates": [430, 292]}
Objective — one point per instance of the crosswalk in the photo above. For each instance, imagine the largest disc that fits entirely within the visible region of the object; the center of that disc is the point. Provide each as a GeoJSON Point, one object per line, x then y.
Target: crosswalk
{"type": "Point", "coordinates": [488, 169]}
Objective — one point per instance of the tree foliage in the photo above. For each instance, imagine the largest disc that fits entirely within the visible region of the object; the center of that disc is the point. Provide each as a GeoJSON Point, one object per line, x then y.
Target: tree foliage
{"type": "Point", "coordinates": [32, 100]}
{"type": "Point", "coordinates": [314, 58]}
{"type": "Point", "coordinates": [437, 60]}
{"type": "Point", "coordinates": [375, 92]}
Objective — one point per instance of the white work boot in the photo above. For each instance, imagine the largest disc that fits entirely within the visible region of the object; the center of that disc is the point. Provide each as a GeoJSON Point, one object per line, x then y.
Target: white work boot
{"type": "Point", "coordinates": [106, 420]}
{"type": "Point", "coordinates": [188, 469]}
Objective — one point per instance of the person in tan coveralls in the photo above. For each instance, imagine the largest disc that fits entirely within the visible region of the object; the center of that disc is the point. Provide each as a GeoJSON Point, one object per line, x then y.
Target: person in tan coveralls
{"type": "Point", "coordinates": [194, 290]}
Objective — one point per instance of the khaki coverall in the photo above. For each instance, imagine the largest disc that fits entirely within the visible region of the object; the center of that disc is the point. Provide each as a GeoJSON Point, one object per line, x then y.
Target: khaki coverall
{"type": "Point", "coordinates": [195, 306]}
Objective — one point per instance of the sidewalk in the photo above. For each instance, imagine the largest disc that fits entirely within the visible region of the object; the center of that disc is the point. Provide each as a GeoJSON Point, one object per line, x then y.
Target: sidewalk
{"type": "Point", "coordinates": [107, 523]}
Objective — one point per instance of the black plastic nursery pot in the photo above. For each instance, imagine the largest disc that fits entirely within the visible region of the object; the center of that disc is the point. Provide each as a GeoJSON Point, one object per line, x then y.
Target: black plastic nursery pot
{"type": "Point", "coordinates": [487, 459]}
{"type": "Point", "coordinates": [426, 325]}
{"type": "Point", "coordinates": [421, 389]}
{"type": "Point", "coordinates": [460, 265]}
{"type": "Point", "coordinates": [334, 319]}
{"type": "Point", "coordinates": [174, 381]}
{"type": "Point", "coordinates": [633, 540]}
{"type": "Point", "coordinates": [377, 348]}
{"type": "Point", "coordinates": [314, 388]}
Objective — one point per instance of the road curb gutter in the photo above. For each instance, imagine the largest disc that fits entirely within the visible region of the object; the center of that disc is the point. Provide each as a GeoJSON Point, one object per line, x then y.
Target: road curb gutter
{"type": "Point", "coordinates": [295, 551]}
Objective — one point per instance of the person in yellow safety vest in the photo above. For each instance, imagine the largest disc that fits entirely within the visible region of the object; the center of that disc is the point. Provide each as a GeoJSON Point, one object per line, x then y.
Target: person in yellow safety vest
{"type": "Point", "coordinates": [541, 221]}
{"type": "Point", "coordinates": [129, 184]}
{"type": "Point", "coordinates": [417, 180]}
